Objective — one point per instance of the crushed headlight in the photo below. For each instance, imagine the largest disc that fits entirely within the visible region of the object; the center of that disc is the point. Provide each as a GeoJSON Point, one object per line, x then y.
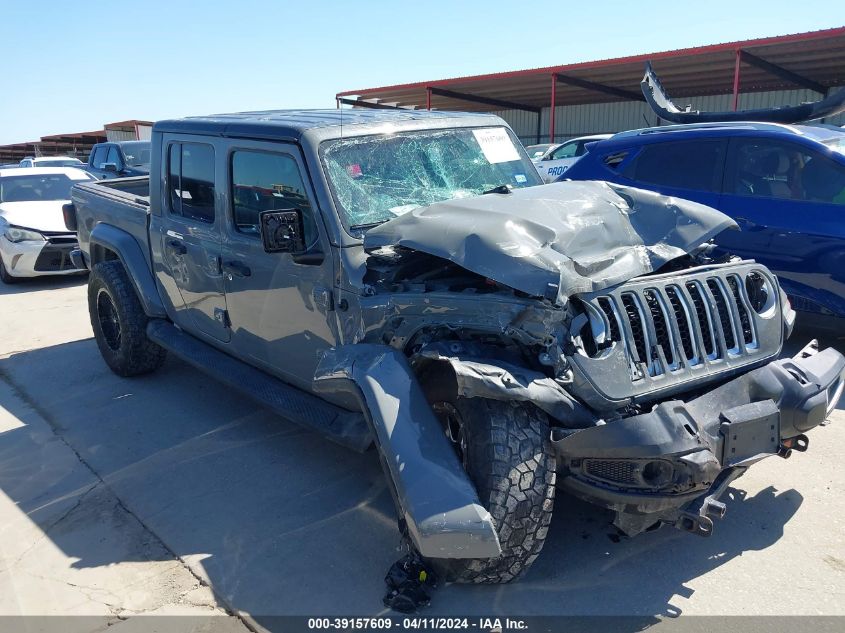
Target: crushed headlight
{"type": "Point", "coordinates": [17, 234]}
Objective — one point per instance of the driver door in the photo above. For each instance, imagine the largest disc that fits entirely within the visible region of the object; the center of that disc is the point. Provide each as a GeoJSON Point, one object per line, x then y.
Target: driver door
{"type": "Point", "coordinates": [278, 303]}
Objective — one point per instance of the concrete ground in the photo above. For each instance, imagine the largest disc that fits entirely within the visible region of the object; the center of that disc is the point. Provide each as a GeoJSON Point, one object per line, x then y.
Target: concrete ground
{"type": "Point", "coordinates": [170, 494]}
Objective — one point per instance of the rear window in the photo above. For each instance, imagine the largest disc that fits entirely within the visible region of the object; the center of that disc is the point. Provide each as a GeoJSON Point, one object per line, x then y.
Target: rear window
{"type": "Point", "coordinates": [695, 165]}
{"type": "Point", "coordinates": [190, 181]}
{"type": "Point", "coordinates": [38, 187]}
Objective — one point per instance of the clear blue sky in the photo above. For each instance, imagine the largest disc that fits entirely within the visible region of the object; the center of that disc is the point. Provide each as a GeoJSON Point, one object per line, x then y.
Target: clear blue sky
{"type": "Point", "coordinates": [72, 66]}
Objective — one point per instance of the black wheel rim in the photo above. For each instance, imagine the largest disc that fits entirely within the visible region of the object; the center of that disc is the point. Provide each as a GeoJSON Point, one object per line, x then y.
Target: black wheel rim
{"type": "Point", "coordinates": [453, 425]}
{"type": "Point", "coordinates": [109, 321]}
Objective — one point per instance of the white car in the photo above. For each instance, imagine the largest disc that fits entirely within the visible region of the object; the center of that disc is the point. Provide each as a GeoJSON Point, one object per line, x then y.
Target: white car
{"type": "Point", "coordinates": [52, 161]}
{"type": "Point", "coordinates": [34, 240]}
{"type": "Point", "coordinates": [558, 158]}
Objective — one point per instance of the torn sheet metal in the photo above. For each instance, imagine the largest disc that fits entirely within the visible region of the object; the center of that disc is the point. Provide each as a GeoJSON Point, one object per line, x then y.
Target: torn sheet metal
{"type": "Point", "coordinates": [557, 240]}
{"type": "Point", "coordinates": [435, 496]}
{"type": "Point", "coordinates": [475, 378]}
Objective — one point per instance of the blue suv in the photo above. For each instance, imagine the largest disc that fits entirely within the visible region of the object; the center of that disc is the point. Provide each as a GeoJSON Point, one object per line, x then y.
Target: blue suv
{"type": "Point", "coordinates": [783, 184]}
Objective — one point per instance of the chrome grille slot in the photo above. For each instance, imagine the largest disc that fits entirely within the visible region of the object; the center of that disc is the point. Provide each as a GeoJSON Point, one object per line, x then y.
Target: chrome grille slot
{"type": "Point", "coordinates": [636, 321]}
{"type": "Point", "coordinates": [663, 334]}
{"type": "Point", "coordinates": [612, 320]}
{"type": "Point", "coordinates": [724, 313]}
{"type": "Point", "coordinates": [744, 320]}
{"type": "Point", "coordinates": [684, 319]}
{"type": "Point", "coordinates": [705, 322]}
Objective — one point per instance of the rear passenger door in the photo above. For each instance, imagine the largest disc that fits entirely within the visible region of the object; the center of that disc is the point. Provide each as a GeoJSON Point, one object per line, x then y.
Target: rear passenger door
{"type": "Point", "coordinates": [691, 169]}
{"type": "Point", "coordinates": [789, 200]}
{"type": "Point", "coordinates": [278, 303]}
{"type": "Point", "coordinates": [191, 238]}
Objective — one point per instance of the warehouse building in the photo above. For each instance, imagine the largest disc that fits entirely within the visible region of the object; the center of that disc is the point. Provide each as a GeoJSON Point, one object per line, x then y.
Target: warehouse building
{"type": "Point", "coordinates": [76, 144]}
{"type": "Point", "coordinates": [605, 95]}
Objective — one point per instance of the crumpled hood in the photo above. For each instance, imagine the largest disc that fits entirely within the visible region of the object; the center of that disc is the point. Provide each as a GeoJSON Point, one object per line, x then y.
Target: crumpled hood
{"type": "Point", "coordinates": [557, 240]}
{"type": "Point", "coordinates": [41, 215]}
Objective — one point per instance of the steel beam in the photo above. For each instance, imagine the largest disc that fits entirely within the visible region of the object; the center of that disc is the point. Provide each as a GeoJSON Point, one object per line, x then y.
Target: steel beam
{"type": "Point", "coordinates": [496, 103]}
{"type": "Point", "coordinates": [737, 64]}
{"type": "Point", "coordinates": [597, 87]}
{"type": "Point", "coordinates": [369, 104]}
{"type": "Point", "coordinates": [780, 71]}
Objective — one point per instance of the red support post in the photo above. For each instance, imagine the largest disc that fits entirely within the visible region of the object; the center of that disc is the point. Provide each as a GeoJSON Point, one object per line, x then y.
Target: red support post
{"type": "Point", "coordinates": [736, 79]}
{"type": "Point", "coordinates": [428, 98]}
{"type": "Point", "coordinates": [552, 110]}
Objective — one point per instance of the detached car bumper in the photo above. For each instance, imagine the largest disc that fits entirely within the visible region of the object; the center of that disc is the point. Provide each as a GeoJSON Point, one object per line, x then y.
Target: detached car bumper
{"type": "Point", "coordinates": [32, 259]}
{"type": "Point", "coordinates": [670, 466]}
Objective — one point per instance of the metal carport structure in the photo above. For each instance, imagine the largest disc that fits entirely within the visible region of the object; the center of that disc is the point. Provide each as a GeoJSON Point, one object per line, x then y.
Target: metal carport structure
{"type": "Point", "coordinates": [802, 66]}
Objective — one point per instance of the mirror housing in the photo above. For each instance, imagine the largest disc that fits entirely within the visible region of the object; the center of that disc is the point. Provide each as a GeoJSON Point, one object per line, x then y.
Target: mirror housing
{"type": "Point", "coordinates": [110, 167]}
{"type": "Point", "coordinates": [282, 231]}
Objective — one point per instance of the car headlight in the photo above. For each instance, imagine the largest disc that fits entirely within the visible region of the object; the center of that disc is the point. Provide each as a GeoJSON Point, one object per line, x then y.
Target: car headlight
{"type": "Point", "coordinates": [17, 234]}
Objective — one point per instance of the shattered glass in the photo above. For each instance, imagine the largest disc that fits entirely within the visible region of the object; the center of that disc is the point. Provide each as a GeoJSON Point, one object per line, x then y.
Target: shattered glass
{"type": "Point", "coordinates": [380, 177]}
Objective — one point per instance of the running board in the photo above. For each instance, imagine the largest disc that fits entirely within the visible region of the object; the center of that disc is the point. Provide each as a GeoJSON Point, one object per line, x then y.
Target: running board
{"type": "Point", "coordinates": [347, 428]}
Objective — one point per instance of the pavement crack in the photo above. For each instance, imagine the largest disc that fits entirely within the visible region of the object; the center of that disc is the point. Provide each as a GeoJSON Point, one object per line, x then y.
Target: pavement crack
{"type": "Point", "coordinates": [45, 532]}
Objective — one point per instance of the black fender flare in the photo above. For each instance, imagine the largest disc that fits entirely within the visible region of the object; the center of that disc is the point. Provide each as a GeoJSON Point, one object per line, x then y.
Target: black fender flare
{"type": "Point", "coordinates": [132, 257]}
{"type": "Point", "coordinates": [662, 105]}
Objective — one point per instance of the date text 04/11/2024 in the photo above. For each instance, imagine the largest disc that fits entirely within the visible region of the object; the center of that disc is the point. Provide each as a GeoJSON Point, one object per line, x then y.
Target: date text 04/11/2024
{"type": "Point", "coordinates": [489, 625]}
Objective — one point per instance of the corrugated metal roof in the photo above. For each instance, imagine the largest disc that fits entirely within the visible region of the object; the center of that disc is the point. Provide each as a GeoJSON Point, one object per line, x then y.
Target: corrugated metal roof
{"type": "Point", "coordinates": [818, 56]}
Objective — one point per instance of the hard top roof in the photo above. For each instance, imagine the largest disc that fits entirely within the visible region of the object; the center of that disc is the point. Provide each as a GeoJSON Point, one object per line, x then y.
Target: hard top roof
{"type": "Point", "coordinates": [293, 123]}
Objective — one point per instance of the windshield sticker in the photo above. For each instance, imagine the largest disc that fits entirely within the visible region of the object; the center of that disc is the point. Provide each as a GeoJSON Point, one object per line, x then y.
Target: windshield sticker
{"type": "Point", "coordinates": [354, 171]}
{"type": "Point", "coordinates": [496, 145]}
{"type": "Point", "coordinates": [520, 178]}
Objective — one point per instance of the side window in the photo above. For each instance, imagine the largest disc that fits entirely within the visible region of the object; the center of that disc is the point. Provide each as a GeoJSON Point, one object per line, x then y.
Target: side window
{"type": "Point", "coordinates": [267, 182]}
{"type": "Point", "coordinates": [695, 165]}
{"type": "Point", "coordinates": [190, 180]}
{"type": "Point", "coordinates": [114, 157]}
{"type": "Point", "coordinates": [768, 168]}
{"type": "Point", "coordinates": [100, 156]}
{"type": "Point", "coordinates": [567, 150]}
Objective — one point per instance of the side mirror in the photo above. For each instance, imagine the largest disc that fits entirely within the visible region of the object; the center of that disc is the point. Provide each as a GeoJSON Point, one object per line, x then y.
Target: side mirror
{"type": "Point", "coordinates": [69, 215]}
{"type": "Point", "coordinates": [282, 231]}
{"type": "Point", "coordinates": [111, 167]}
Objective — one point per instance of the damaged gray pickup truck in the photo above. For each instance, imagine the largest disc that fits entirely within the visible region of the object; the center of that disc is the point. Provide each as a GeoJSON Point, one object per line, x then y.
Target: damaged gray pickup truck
{"type": "Point", "coordinates": [401, 279]}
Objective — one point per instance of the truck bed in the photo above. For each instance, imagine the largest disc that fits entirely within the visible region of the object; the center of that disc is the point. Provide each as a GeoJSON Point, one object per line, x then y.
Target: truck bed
{"type": "Point", "coordinates": [122, 202]}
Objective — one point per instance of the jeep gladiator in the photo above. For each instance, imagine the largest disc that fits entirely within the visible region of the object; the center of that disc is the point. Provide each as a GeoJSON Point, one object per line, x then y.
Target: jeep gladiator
{"type": "Point", "coordinates": [401, 279]}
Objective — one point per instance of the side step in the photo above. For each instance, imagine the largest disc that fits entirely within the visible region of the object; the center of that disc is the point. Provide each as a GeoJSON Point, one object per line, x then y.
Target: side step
{"type": "Point", "coordinates": [348, 428]}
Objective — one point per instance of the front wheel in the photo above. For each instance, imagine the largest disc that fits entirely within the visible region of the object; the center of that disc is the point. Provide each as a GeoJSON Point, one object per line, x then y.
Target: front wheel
{"type": "Point", "coordinates": [119, 322]}
{"type": "Point", "coordinates": [5, 277]}
{"type": "Point", "coordinates": [505, 450]}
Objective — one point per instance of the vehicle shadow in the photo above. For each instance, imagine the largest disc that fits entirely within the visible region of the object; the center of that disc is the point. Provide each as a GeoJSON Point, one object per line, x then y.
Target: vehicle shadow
{"type": "Point", "coordinates": [282, 522]}
{"type": "Point", "coordinates": [34, 284]}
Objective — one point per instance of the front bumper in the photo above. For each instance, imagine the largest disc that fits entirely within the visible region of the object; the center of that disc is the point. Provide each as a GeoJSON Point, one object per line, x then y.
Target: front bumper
{"type": "Point", "coordinates": [33, 259]}
{"type": "Point", "coordinates": [671, 465]}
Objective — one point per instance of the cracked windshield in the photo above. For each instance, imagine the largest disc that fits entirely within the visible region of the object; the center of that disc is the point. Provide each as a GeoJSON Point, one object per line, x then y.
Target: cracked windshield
{"type": "Point", "coordinates": [376, 178]}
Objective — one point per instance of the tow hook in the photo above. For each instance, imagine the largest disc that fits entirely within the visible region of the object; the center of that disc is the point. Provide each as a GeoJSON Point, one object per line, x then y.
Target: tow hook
{"type": "Point", "coordinates": [698, 519]}
{"type": "Point", "coordinates": [798, 443]}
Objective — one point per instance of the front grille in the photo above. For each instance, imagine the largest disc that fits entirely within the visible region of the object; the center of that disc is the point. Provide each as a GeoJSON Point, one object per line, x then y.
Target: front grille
{"type": "Point", "coordinates": [60, 238]}
{"type": "Point", "coordinates": [55, 258]}
{"type": "Point", "coordinates": [618, 471]}
{"type": "Point", "coordinates": [668, 325]}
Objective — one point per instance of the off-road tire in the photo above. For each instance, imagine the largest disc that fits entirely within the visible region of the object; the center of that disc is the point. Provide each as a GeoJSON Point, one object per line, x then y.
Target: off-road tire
{"type": "Point", "coordinates": [113, 303]}
{"type": "Point", "coordinates": [5, 277]}
{"type": "Point", "coordinates": [507, 454]}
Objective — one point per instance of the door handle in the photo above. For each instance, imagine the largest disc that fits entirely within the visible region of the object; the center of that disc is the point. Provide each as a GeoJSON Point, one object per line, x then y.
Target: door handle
{"type": "Point", "coordinates": [238, 269]}
{"type": "Point", "coordinates": [177, 246]}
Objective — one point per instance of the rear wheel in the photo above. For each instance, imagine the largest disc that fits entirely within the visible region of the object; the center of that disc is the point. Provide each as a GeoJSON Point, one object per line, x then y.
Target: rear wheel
{"type": "Point", "coordinates": [504, 447]}
{"type": "Point", "coordinates": [119, 322]}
